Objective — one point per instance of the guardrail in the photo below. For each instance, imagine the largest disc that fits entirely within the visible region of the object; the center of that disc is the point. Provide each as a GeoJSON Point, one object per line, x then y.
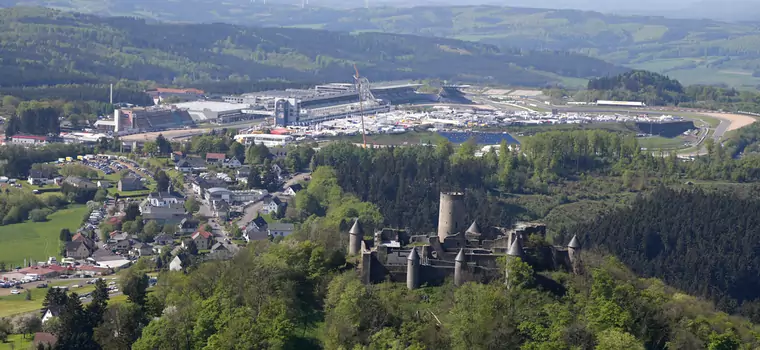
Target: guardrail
{"type": "Point", "coordinates": [749, 113]}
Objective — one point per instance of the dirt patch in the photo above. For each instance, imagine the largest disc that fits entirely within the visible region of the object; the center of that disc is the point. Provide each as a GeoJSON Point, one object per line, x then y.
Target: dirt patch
{"type": "Point", "coordinates": [738, 121]}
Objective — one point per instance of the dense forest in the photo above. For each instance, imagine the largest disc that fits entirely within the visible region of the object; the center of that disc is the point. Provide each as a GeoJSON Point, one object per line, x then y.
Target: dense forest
{"type": "Point", "coordinates": [703, 243]}
{"type": "Point", "coordinates": [100, 50]}
{"type": "Point", "coordinates": [399, 179]}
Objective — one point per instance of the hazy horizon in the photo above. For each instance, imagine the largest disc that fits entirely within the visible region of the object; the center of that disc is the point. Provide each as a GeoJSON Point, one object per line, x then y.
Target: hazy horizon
{"type": "Point", "coordinates": [740, 10]}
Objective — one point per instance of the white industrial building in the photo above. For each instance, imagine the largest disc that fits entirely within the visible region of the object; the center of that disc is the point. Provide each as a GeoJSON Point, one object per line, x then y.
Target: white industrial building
{"type": "Point", "coordinates": [620, 103]}
{"type": "Point", "coordinates": [269, 140]}
{"type": "Point", "coordinates": [215, 112]}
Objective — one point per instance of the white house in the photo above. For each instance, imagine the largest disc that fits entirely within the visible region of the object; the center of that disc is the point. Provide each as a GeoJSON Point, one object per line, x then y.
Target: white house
{"type": "Point", "coordinates": [272, 205]}
{"type": "Point", "coordinates": [292, 190]}
{"type": "Point", "coordinates": [175, 264]}
{"type": "Point", "coordinates": [39, 177]}
{"type": "Point", "coordinates": [49, 313]}
{"type": "Point", "coordinates": [232, 163]}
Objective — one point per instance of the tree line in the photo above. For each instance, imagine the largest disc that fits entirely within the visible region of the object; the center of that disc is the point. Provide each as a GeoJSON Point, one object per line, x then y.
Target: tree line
{"type": "Point", "coordinates": [704, 243]}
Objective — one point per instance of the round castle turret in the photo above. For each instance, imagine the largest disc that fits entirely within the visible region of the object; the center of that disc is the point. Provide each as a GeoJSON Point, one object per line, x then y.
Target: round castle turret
{"type": "Point", "coordinates": [574, 253]}
{"type": "Point", "coordinates": [515, 251]}
{"type": "Point", "coordinates": [413, 270]}
{"type": "Point", "coordinates": [355, 236]}
{"type": "Point", "coordinates": [459, 263]}
{"type": "Point", "coordinates": [450, 214]}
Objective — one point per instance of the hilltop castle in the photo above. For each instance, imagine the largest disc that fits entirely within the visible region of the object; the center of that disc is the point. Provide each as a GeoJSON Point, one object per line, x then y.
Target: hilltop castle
{"type": "Point", "coordinates": [457, 250]}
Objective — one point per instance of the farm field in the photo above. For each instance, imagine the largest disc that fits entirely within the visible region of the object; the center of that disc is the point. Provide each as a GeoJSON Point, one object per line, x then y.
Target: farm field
{"type": "Point", "coordinates": [37, 240]}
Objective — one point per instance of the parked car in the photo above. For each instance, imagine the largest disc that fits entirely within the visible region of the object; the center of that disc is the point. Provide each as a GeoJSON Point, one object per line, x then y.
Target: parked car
{"type": "Point", "coordinates": [15, 291]}
{"type": "Point", "coordinates": [42, 285]}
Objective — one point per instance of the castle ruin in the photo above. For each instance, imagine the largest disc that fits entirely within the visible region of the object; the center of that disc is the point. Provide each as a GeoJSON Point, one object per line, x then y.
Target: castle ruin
{"type": "Point", "coordinates": [459, 251]}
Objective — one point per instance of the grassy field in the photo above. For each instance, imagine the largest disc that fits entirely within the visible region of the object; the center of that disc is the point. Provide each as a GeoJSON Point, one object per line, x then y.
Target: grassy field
{"type": "Point", "coordinates": [37, 240]}
{"type": "Point", "coordinates": [16, 304]}
{"type": "Point", "coordinates": [17, 342]}
{"type": "Point", "coordinates": [664, 143]}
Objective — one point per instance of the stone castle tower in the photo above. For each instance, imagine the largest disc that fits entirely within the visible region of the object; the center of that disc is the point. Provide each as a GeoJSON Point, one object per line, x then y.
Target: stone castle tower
{"type": "Point", "coordinates": [451, 212]}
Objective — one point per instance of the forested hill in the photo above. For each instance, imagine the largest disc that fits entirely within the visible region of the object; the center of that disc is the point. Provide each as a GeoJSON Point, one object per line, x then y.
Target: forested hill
{"type": "Point", "coordinates": [44, 47]}
{"type": "Point", "coordinates": [704, 243]}
{"type": "Point", "coordinates": [657, 89]}
{"type": "Point", "coordinates": [693, 51]}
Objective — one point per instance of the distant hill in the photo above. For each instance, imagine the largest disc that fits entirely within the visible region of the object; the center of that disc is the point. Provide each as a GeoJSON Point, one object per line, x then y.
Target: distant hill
{"type": "Point", "coordinates": [45, 47]}
{"type": "Point", "coordinates": [693, 51]}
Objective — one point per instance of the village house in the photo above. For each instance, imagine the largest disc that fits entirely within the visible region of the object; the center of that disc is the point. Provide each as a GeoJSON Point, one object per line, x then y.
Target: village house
{"type": "Point", "coordinates": [232, 163]}
{"type": "Point", "coordinates": [222, 251]}
{"type": "Point", "coordinates": [80, 182]}
{"type": "Point", "coordinates": [176, 264]}
{"type": "Point", "coordinates": [87, 241]}
{"type": "Point", "coordinates": [221, 209]}
{"type": "Point", "coordinates": [104, 184]}
{"type": "Point", "coordinates": [77, 250]}
{"type": "Point", "coordinates": [50, 313]}
{"type": "Point", "coordinates": [176, 156]}
{"type": "Point", "coordinates": [164, 239]}
{"type": "Point", "coordinates": [202, 239]}
{"type": "Point", "coordinates": [292, 190]}
{"type": "Point", "coordinates": [256, 230]}
{"type": "Point", "coordinates": [40, 177]}
{"type": "Point", "coordinates": [272, 205]}
{"type": "Point", "coordinates": [141, 249]}
{"type": "Point", "coordinates": [215, 158]}
{"type": "Point", "coordinates": [130, 183]}
{"type": "Point", "coordinates": [190, 164]}
{"type": "Point", "coordinates": [187, 226]}
{"type": "Point", "coordinates": [279, 229]}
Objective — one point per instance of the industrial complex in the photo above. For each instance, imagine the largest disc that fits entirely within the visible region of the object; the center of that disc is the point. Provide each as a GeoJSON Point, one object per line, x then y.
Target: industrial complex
{"type": "Point", "coordinates": [291, 107]}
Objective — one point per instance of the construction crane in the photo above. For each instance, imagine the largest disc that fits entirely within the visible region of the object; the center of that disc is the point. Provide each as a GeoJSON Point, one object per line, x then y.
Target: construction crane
{"type": "Point", "coordinates": [361, 105]}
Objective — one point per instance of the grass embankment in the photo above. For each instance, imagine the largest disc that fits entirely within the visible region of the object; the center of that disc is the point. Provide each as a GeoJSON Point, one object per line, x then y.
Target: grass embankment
{"type": "Point", "coordinates": [38, 240]}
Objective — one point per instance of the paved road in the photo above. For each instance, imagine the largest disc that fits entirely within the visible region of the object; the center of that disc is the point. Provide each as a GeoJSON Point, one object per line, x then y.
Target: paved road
{"type": "Point", "coordinates": [252, 210]}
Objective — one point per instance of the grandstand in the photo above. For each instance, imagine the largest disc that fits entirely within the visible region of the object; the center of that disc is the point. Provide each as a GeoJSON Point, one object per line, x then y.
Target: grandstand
{"type": "Point", "coordinates": [452, 94]}
{"type": "Point", "coordinates": [152, 119]}
{"type": "Point", "coordinates": [401, 94]}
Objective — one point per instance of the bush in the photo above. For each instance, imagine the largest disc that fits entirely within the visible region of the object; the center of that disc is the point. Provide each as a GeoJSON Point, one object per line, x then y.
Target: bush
{"type": "Point", "coordinates": [14, 216]}
{"type": "Point", "coordinates": [39, 215]}
{"type": "Point", "coordinates": [54, 200]}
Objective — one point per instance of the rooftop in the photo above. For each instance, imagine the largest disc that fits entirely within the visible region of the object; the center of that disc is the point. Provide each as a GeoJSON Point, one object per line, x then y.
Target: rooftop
{"type": "Point", "coordinates": [213, 106]}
